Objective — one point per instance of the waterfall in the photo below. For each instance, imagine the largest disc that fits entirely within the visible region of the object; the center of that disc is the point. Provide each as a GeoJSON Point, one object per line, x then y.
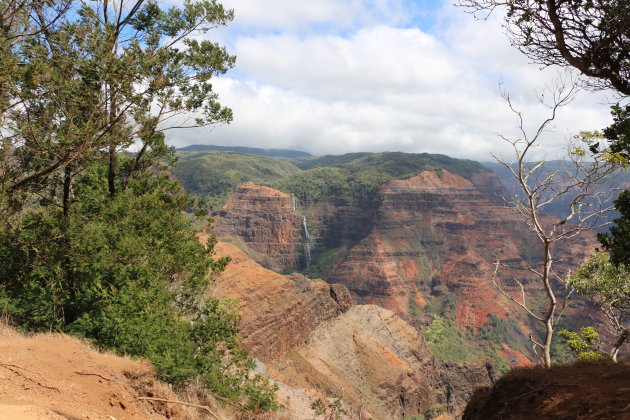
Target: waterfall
{"type": "Point", "coordinates": [295, 205]}
{"type": "Point", "coordinates": [308, 242]}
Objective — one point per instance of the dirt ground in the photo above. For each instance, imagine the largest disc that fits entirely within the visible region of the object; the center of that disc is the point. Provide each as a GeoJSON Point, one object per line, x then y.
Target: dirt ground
{"type": "Point", "coordinates": [595, 390]}
{"type": "Point", "coordinates": [58, 377]}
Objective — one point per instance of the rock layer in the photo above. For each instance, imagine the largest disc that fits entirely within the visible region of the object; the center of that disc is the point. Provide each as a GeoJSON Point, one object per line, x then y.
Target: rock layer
{"type": "Point", "coordinates": [316, 345]}
{"type": "Point", "coordinates": [265, 221]}
{"type": "Point", "coordinates": [439, 230]}
{"type": "Point", "coordinates": [277, 312]}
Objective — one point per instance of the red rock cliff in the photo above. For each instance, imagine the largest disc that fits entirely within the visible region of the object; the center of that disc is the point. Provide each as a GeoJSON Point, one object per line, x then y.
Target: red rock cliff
{"type": "Point", "coordinates": [315, 344]}
{"type": "Point", "coordinates": [264, 220]}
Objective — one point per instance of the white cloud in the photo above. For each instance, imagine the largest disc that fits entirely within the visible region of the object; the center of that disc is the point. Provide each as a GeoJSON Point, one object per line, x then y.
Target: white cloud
{"type": "Point", "coordinates": [380, 87]}
{"type": "Point", "coordinates": [304, 15]}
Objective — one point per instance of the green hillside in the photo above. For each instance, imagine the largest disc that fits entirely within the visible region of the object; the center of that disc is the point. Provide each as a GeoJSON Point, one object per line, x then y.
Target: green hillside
{"type": "Point", "coordinates": [361, 175]}
{"type": "Point", "coordinates": [214, 174]}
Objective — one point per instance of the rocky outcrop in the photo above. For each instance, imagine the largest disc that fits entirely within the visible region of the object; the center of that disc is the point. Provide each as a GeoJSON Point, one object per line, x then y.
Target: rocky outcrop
{"type": "Point", "coordinates": [264, 221]}
{"type": "Point", "coordinates": [278, 313]}
{"type": "Point", "coordinates": [381, 366]}
{"type": "Point", "coordinates": [315, 344]}
{"type": "Point", "coordinates": [430, 230]}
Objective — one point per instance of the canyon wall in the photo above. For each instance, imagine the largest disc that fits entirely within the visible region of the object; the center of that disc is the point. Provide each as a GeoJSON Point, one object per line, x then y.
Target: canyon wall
{"type": "Point", "coordinates": [312, 341]}
{"type": "Point", "coordinates": [420, 237]}
{"type": "Point", "coordinates": [264, 222]}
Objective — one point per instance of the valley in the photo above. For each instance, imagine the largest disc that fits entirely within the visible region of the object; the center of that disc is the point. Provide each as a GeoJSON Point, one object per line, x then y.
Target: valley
{"type": "Point", "coordinates": [411, 258]}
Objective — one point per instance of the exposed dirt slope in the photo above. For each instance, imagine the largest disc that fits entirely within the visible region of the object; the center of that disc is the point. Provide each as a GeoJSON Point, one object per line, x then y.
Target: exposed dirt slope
{"type": "Point", "coordinates": [56, 377]}
{"type": "Point", "coordinates": [596, 390]}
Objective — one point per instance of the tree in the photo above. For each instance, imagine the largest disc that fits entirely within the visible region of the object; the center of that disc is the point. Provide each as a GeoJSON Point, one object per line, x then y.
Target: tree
{"type": "Point", "coordinates": [592, 36]}
{"type": "Point", "coordinates": [586, 345]}
{"type": "Point", "coordinates": [608, 285]}
{"type": "Point", "coordinates": [94, 239]}
{"type": "Point", "coordinates": [107, 77]}
{"type": "Point", "coordinates": [580, 180]}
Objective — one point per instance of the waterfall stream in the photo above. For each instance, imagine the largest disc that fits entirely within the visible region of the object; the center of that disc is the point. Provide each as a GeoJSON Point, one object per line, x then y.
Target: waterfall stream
{"type": "Point", "coordinates": [308, 242]}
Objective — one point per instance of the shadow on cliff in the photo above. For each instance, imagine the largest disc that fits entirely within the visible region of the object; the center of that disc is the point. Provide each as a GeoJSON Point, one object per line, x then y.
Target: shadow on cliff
{"type": "Point", "coordinates": [583, 390]}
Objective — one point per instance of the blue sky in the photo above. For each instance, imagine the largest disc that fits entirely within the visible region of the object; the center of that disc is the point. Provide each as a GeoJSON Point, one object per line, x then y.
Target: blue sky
{"type": "Point", "coordinates": [338, 76]}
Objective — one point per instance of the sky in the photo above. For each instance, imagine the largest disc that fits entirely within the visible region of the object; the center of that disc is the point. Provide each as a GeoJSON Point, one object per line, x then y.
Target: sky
{"type": "Point", "coordinates": [340, 76]}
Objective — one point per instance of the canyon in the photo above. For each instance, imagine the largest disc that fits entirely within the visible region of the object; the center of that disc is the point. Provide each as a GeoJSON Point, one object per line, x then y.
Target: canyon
{"type": "Point", "coordinates": [384, 298]}
{"type": "Point", "coordinates": [309, 337]}
{"type": "Point", "coordinates": [433, 234]}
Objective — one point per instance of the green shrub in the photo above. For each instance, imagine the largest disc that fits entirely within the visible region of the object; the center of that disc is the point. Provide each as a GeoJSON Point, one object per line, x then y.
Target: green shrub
{"type": "Point", "coordinates": [129, 273]}
{"type": "Point", "coordinates": [585, 345]}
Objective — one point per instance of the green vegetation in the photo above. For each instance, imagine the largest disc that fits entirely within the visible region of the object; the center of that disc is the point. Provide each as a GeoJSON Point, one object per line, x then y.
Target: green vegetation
{"type": "Point", "coordinates": [442, 305]}
{"type": "Point", "coordinates": [329, 410]}
{"type": "Point", "coordinates": [585, 345]}
{"type": "Point", "coordinates": [499, 330]}
{"type": "Point", "coordinates": [448, 343]}
{"type": "Point", "coordinates": [361, 175]}
{"type": "Point", "coordinates": [213, 175]}
{"type": "Point", "coordinates": [430, 413]}
{"type": "Point", "coordinates": [325, 260]}
{"type": "Point", "coordinates": [608, 285]}
{"type": "Point", "coordinates": [93, 238]}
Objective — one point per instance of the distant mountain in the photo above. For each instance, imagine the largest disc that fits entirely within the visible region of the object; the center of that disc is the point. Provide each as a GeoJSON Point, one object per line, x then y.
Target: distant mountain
{"type": "Point", "coordinates": [214, 174]}
{"type": "Point", "coordinates": [278, 153]}
{"type": "Point", "coordinates": [560, 207]}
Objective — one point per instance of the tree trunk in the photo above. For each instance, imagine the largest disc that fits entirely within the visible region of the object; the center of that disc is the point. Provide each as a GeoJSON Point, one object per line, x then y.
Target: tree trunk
{"type": "Point", "coordinates": [111, 173]}
{"type": "Point", "coordinates": [549, 316]}
{"type": "Point", "coordinates": [67, 185]}
{"type": "Point", "coordinates": [625, 334]}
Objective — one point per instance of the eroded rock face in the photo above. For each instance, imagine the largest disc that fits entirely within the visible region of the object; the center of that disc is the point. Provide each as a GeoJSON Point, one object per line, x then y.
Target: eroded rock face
{"type": "Point", "coordinates": [435, 230]}
{"type": "Point", "coordinates": [439, 230]}
{"type": "Point", "coordinates": [264, 219]}
{"type": "Point", "coordinates": [384, 368]}
{"type": "Point", "coordinates": [278, 312]}
{"type": "Point", "coordinates": [316, 344]}
{"type": "Point", "coordinates": [370, 354]}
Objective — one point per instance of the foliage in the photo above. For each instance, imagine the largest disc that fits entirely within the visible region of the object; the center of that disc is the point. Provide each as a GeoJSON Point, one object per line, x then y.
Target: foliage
{"type": "Point", "coordinates": [618, 133]}
{"type": "Point", "coordinates": [608, 285]}
{"type": "Point", "coordinates": [361, 175]}
{"type": "Point", "coordinates": [617, 240]}
{"type": "Point", "coordinates": [102, 79]}
{"type": "Point", "coordinates": [586, 345]}
{"type": "Point", "coordinates": [447, 342]}
{"type": "Point", "coordinates": [214, 174]}
{"type": "Point", "coordinates": [129, 273]}
{"type": "Point", "coordinates": [330, 410]}
{"type": "Point", "coordinates": [93, 238]}
{"type": "Point", "coordinates": [428, 414]}
{"type": "Point", "coordinates": [442, 305]}
{"type": "Point", "coordinates": [591, 36]}
{"type": "Point", "coordinates": [500, 331]}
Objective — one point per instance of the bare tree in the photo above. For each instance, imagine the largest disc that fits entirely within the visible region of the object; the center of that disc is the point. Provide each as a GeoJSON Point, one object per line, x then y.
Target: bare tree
{"type": "Point", "coordinates": [579, 182]}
